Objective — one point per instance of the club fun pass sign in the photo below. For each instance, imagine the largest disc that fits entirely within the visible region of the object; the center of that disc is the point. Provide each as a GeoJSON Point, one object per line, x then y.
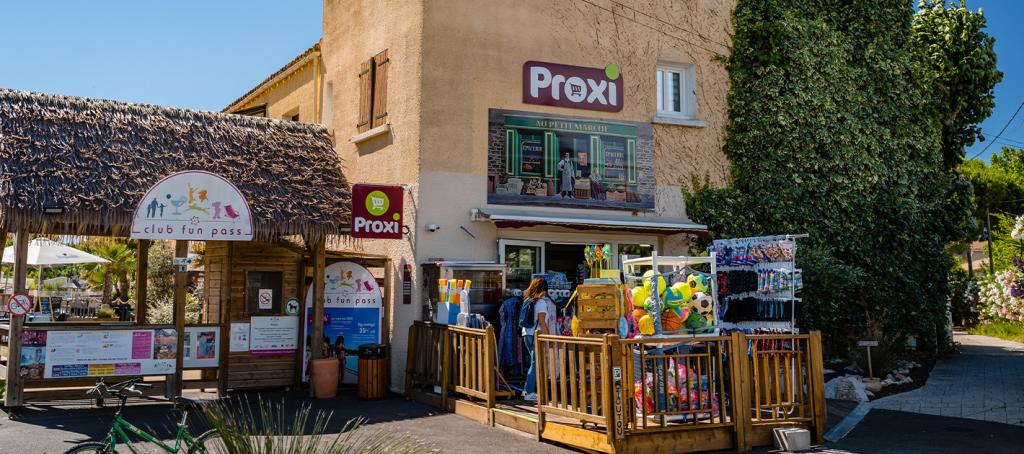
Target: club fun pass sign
{"type": "Point", "coordinates": [578, 87]}
{"type": "Point", "coordinates": [377, 211]}
{"type": "Point", "coordinates": [193, 205]}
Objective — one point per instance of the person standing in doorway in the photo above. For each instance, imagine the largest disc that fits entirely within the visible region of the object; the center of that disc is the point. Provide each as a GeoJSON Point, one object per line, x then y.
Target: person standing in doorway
{"type": "Point", "coordinates": [567, 171]}
{"type": "Point", "coordinates": [537, 316]}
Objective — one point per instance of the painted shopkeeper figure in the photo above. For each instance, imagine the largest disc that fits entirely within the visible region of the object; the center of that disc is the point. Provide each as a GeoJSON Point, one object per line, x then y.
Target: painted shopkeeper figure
{"type": "Point", "coordinates": [567, 173]}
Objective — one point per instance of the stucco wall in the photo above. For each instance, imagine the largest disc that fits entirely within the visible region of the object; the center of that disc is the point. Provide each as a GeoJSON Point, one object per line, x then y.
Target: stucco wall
{"type": "Point", "coordinates": [296, 93]}
{"type": "Point", "coordinates": [473, 56]}
{"type": "Point", "coordinates": [353, 31]}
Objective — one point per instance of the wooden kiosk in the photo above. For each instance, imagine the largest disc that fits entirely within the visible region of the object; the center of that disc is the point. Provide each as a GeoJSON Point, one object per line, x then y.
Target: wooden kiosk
{"type": "Point", "coordinates": [76, 166]}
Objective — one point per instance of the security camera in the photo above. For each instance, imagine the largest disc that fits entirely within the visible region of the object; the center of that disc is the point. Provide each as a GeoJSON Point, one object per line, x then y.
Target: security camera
{"type": "Point", "coordinates": [433, 227]}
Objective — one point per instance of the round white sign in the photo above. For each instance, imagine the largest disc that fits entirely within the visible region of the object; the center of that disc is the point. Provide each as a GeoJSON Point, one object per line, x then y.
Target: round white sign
{"type": "Point", "coordinates": [19, 304]}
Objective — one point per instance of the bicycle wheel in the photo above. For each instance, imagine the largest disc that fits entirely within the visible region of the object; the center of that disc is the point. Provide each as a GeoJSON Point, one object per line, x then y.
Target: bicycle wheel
{"type": "Point", "coordinates": [92, 447]}
{"type": "Point", "coordinates": [209, 442]}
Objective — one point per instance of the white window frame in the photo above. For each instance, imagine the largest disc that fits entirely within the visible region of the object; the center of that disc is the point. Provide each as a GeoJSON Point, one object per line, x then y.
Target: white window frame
{"type": "Point", "coordinates": [687, 113]}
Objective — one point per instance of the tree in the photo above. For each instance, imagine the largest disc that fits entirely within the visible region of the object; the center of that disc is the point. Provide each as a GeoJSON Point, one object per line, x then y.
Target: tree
{"type": "Point", "coordinates": [114, 276]}
{"type": "Point", "coordinates": [160, 295]}
{"type": "Point", "coordinates": [837, 131]}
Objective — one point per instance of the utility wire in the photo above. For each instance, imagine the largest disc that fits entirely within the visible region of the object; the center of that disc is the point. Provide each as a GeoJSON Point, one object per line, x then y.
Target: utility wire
{"type": "Point", "coordinates": [1001, 131]}
{"type": "Point", "coordinates": [697, 34]}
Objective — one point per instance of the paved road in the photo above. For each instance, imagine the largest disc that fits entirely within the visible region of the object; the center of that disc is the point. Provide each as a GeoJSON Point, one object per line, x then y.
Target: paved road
{"type": "Point", "coordinates": [984, 382]}
{"type": "Point", "coordinates": [54, 430]}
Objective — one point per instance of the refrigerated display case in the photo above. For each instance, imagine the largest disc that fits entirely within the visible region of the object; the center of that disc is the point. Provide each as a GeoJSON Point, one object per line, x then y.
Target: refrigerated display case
{"type": "Point", "coordinates": [485, 294]}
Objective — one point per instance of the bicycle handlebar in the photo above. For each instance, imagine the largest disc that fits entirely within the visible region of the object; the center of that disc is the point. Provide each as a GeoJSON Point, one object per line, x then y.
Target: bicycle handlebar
{"type": "Point", "coordinates": [124, 389]}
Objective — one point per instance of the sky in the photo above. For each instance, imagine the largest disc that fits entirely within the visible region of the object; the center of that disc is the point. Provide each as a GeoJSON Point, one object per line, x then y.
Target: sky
{"type": "Point", "coordinates": [182, 53]}
{"type": "Point", "coordinates": [205, 54]}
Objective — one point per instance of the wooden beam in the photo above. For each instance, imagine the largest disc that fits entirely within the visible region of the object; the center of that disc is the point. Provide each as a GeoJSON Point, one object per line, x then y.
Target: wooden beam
{"type": "Point", "coordinates": [141, 281]}
{"type": "Point", "coordinates": [180, 281]}
{"type": "Point", "coordinates": [319, 263]}
{"type": "Point", "coordinates": [300, 289]}
{"type": "Point", "coordinates": [225, 321]}
{"type": "Point", "coordinates": [13, 396]}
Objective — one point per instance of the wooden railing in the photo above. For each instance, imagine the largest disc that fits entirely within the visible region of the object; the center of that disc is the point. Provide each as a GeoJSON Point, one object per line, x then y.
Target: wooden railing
{"type": "Point", "coordinates": [575, 380]}
{"type": "Point", "coordinates": [687, 387]}
{"type": "Point", "coordinates": [472, 351]}
{"type": "Point", "coordinates": [425, 358]}
{"type": "Point", "coordinates": [786, 379]}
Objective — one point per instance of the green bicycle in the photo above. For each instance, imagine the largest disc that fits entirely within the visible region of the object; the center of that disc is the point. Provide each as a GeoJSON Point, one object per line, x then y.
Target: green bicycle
{"type": "Point", "coordinates": [208, 443]}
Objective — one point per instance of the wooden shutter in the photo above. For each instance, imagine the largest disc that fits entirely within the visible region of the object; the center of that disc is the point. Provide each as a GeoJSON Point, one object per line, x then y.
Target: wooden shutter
{"type": "Point", "coordinates": [380, 89]}
{"type": "Point", "coordinates": [365, 95]}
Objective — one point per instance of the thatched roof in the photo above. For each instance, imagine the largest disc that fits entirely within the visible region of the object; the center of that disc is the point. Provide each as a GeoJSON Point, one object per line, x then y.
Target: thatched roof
{"type": "Point", "coordinates": [97, 158]}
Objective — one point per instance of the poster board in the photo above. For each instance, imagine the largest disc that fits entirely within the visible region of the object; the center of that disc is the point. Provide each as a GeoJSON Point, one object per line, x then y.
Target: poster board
{"type": "Point", "coordinates": [202, 344]}
{"type": "Point", "coordinates": [273, 335]}
{"type": "Point", "coordinates": [239, 338]}
{"type": "Point", "coordinates": [353, 305]}
{"type": "Point", "coordinates": [98, 353]}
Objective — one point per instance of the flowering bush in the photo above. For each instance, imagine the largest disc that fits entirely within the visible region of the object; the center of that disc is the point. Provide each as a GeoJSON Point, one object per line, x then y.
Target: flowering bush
{"type": "Point", "coordinates": [1002, 296]}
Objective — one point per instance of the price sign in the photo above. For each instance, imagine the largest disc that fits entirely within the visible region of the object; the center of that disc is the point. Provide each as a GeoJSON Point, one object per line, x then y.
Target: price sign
{"type": "Point", "coordinates": [19, 304]}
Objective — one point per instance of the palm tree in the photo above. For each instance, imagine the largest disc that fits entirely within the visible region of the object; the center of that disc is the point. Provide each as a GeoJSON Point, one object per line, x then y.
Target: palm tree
{"type": "Point", "coordinates": [116, 273]}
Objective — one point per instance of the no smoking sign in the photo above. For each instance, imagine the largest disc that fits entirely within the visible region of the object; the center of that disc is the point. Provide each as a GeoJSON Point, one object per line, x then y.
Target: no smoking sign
{"type": "Point", "coordinates": [19, 304]}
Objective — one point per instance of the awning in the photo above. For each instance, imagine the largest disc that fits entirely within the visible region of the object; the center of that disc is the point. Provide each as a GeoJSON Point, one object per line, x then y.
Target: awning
{"type": "Point", "coordinates": [632, 224]}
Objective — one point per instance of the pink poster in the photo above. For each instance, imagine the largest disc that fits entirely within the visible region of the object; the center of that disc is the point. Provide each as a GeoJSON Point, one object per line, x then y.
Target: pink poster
{"type": "Point", "coordinates": [127, 368]}
{"type": "Point", "coordinates": [142, 344]}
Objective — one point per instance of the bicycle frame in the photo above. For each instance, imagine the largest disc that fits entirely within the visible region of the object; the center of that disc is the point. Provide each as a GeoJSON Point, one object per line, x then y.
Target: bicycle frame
{"type": "Point", "coordinates": [120, 429]}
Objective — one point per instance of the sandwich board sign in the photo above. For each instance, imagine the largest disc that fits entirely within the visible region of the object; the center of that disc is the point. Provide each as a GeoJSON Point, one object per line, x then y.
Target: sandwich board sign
{"type": "Point", "coordinates": [193, 205]}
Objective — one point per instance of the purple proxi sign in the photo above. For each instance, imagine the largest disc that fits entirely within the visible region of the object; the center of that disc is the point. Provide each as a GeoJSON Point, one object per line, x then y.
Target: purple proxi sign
{"type": "Point", "coordinates": [578, 87]}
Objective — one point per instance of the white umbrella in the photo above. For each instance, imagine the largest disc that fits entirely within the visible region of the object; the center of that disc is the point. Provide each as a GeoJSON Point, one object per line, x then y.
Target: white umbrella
{"type": "Point", "coordinates": [45, 252]}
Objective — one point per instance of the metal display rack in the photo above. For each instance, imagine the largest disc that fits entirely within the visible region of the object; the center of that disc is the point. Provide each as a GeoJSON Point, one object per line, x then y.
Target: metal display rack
{"type": "Point", "coordinates": [678, 263]}
{"type": "Point", "coordinates": [786, 296]}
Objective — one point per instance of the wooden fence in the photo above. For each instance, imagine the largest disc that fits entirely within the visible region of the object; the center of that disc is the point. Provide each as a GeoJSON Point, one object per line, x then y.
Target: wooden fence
{"type": "Point", "coordinates": [607, 394]}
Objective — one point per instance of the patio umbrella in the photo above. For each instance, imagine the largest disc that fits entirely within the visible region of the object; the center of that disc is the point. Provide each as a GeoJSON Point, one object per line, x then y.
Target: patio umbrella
{"type": "Point", "coordinates": [45, 252]}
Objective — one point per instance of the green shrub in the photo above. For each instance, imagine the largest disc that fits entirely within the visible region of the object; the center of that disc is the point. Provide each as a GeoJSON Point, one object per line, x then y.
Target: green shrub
{"type": "Point", "coordinates": [106, 313]}
{"type": "Point", "coordinates": [1013, 331]}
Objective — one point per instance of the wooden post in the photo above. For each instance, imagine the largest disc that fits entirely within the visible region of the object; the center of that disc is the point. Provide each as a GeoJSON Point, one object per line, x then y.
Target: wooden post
{"type": "Point", "coordinates": [540, 363]}
{"type": "Point", "coordinates": [740, 390]}
{"type": "Point", "coordinates": [13, 395]}
{"type": "Point", "coordinates": [180, 280]}
{"type": "Point", "coordinates": [608, 388]}
{"type": "Point", "coordinates": [141, 281]}
{"type": "Point", "coordinates": [489, 365]}
{"type": "Point", "coordinates": [446, 366]}
{"type": "Point", "coordinates": [224, 355]}
{"type": "Point", "coordinates": [300, 287]}
{"type": "Point", "coordinates": [817, 379]}
{"type": "Point", "coordinates": [319, 263]}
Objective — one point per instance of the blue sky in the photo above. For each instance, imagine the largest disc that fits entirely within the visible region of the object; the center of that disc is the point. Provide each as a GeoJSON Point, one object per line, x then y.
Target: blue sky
{"type": "Point", "coordinates": [184, 53]}
{"type": "Point", "coordinates": [204, 54]}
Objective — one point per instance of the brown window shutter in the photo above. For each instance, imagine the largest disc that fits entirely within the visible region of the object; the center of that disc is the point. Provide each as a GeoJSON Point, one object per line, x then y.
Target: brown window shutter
{"type": "Point", "coordinates": [380, 89]}
{"type": "Point", "coordinates": [365, 95]}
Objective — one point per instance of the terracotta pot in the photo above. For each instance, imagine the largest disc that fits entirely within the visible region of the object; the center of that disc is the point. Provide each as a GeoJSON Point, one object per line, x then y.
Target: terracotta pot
{"type": "Point", "coordinates": [324, 376]}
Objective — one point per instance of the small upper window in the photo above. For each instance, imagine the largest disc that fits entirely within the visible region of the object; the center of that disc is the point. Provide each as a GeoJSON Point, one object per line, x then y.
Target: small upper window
{"type": "Point", "coordinates": [677, 90]}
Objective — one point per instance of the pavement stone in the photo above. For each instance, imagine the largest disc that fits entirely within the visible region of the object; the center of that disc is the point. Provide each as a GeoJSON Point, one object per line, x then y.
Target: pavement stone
{"type": "Point", "coordinates": [984, 382]}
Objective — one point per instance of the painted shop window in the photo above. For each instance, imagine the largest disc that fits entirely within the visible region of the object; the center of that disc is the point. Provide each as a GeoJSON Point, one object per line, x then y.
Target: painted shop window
{"type": "Point", "coordinates": [373, 92]}
{"type": "Point", "coordinates": [677, 90]}
{"type": "Point", "coordinates": [555, 160]}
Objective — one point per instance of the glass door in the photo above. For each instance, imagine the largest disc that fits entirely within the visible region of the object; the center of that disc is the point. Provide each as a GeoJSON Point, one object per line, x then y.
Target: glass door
{"type": "Point", "coordinates": [522, 260]}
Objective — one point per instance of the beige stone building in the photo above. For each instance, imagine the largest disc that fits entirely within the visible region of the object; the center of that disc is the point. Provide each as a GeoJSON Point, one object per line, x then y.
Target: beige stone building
{"type": "Point", "coordinates": [520, 130]}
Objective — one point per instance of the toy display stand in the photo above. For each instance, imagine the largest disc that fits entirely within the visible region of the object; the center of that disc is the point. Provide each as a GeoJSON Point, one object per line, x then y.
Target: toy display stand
{"type": "Point", "coordinates": [599, 307]}
{"type": "Point", "coordinates": [678, 264]}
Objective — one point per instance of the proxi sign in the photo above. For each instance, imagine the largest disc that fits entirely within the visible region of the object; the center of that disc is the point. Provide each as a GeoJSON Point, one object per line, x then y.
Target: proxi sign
{"type": "Point", "coordinates": [377, 211]}
{"type": "Point", "coordinates": [193, 205]}
{"type": "Point", "coordinates": [552, 84]}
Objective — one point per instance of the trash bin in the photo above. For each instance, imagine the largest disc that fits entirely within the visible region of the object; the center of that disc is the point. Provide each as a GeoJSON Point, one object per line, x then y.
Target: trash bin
{"type": "Point", "coordinates": [373, 371]}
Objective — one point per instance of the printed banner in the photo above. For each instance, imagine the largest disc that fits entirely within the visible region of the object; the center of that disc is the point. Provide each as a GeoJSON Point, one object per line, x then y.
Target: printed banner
{"type": "Point", "coordinates": [193, 205]}
{"type": "Point", "coordinates": [202, 344]}
{"type": "Point", "coordinates": [541, 159]}
{"type": "Point", "coordinates": [353, 305]}
{"type": "Point", "coordinates": [273, 335]}
{"type": "Point", "coordinates": [67, 354]}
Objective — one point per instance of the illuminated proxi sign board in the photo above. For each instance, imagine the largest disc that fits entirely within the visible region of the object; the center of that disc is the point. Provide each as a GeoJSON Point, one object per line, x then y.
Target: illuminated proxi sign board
{"type": "Point", "coordinates": [578, 87]}
{"type": "Point", "coordinates": [377, 211]}
{"type": "Point", "coordinates": [193, 205]}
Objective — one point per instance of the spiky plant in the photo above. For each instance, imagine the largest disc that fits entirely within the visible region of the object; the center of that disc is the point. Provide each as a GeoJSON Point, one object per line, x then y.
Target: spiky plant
{"type": "Point", "coordinates": [270, 429]}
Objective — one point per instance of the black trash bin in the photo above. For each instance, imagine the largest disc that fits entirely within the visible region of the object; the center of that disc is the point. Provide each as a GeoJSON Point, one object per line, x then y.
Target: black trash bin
{"type": "Point", "coordinates": [373, 371]}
